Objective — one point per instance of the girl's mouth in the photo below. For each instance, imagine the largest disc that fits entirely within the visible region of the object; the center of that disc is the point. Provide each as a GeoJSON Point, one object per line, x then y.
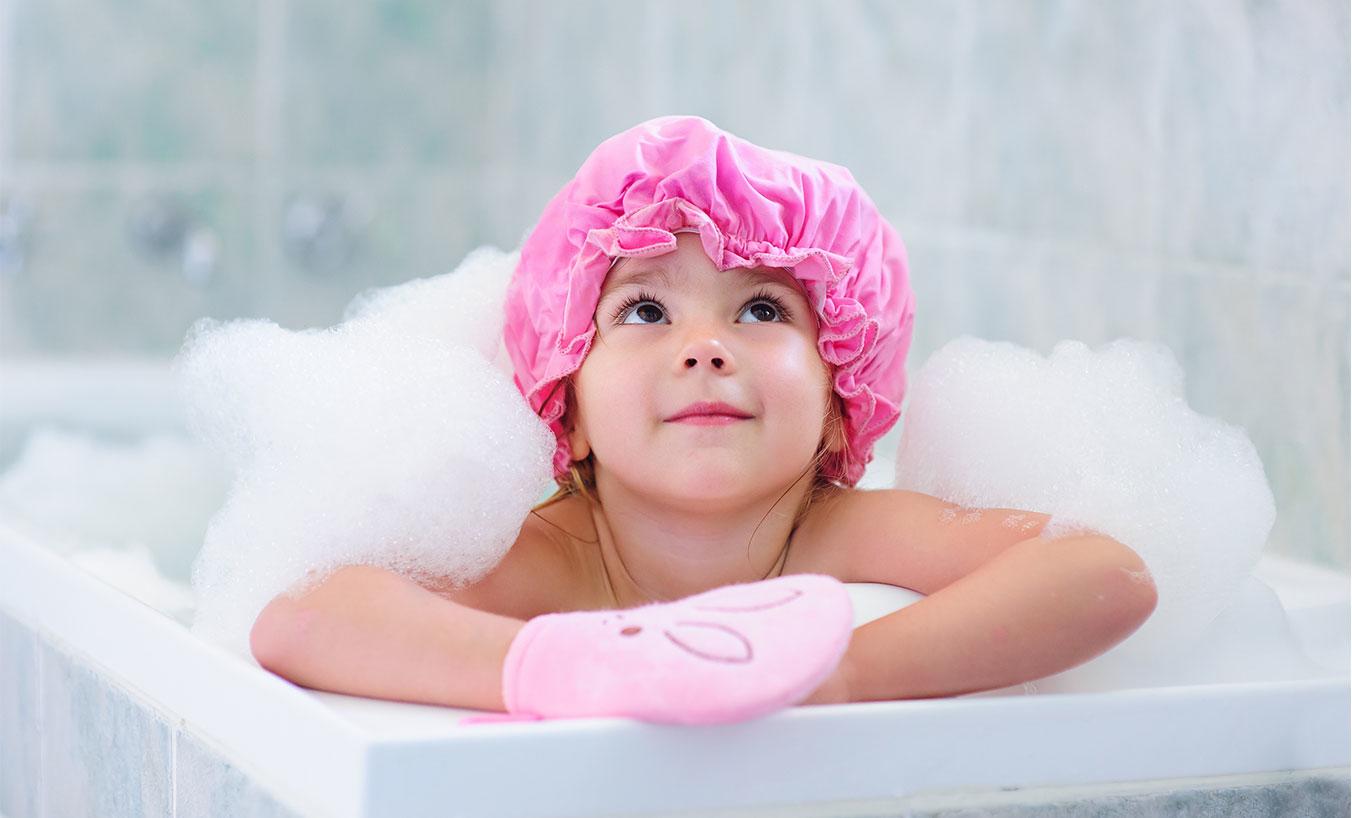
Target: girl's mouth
{"type": "Point", "coordinates": [708, 420]}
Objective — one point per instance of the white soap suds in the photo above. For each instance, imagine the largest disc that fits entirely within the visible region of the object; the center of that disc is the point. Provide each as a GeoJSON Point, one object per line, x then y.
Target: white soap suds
{"type": "Point", "coordinates": [74, 492]}
{"type": "Point", "coordinates": [393, 439]}
{"type": "Point", "coordinates": [1104, 441]}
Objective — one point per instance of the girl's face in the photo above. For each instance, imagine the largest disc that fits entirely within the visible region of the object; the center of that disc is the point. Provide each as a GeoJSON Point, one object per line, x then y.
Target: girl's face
{"type": "Point", "coordinates": [673, 330]}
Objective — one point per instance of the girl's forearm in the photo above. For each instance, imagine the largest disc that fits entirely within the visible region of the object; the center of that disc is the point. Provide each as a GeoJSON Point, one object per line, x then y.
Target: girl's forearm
{"type": "Point", "coordinates": [1040, 607]}
{"type": "Point", "coordinates": [366, 631]}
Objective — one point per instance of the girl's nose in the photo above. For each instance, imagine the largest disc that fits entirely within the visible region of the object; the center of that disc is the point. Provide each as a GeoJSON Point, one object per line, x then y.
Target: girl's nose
{"type": "Point", "coordinates": [706, 352]}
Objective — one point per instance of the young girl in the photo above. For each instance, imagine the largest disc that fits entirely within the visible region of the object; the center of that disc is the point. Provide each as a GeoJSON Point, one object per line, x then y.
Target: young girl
{"type": "Point", "coordinates": [716, 333]}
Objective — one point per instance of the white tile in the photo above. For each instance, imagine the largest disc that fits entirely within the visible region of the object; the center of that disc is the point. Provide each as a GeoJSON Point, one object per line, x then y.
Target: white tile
{"type": "Point", "coordinates": [20, 751]}
{"type": "Point", "coordinates": [102, 753]}
{"type": "Point", "coordinates": [207, 786]}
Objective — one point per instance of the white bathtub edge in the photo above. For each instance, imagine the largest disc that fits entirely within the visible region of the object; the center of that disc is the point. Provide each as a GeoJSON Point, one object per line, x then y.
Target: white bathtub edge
{"type": "Point", "coordinates": [812, 754]}
{"type": "Point", "coordinates": [321, 764]}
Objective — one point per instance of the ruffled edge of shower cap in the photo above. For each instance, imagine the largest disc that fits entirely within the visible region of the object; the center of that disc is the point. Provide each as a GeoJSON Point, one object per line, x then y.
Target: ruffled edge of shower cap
{"type": "Point", "coordinates": [849, 260]}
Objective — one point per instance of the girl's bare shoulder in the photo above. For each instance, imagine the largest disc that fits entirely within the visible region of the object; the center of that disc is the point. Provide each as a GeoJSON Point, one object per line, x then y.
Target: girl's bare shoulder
{"type": "Point", "coordinates": [545, 571]}
{"type": "Point", "coordinates": [816, 547]}
{"type": "Point", "coordinates": [569, 532]}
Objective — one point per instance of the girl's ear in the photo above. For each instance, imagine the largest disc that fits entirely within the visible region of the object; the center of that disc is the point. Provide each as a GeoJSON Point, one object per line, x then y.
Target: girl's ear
{"type": "Point", "coordinates": [835, 429]}
{"type": "Point", "coordinates": [577, 438]}
{"type": "Point", "coordinates": [835, 441]}
{"type": "Point", "coordinates": [577, 441]}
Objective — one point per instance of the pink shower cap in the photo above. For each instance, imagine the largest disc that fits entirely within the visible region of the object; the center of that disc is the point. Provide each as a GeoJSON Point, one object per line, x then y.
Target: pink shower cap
{"type": "Point", "coordinates": [752, 207]}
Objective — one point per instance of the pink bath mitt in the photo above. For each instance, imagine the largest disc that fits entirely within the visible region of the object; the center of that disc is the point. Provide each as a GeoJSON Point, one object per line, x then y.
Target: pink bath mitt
{"type": "Point", "coordinates": [726, 655]}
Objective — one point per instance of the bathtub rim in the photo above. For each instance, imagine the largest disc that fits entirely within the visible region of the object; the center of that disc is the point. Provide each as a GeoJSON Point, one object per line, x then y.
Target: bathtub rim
{"type": "Point", "coordinates": [326, 763]}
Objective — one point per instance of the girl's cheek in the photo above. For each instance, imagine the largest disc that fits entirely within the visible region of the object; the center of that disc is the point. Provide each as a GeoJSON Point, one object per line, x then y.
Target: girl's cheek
{"type": "Point", "coordinates": [800, 363]}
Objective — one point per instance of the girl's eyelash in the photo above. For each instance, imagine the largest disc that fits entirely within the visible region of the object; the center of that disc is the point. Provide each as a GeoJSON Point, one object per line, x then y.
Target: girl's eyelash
{"type": "Point", "coordinates": [632, 301]}
{"type": "Point", "coordinates": [762, 295]}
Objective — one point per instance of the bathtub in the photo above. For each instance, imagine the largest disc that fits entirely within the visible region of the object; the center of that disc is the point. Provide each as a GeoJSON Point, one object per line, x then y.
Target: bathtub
{"type": "Point", "coordinates": [110, 706]}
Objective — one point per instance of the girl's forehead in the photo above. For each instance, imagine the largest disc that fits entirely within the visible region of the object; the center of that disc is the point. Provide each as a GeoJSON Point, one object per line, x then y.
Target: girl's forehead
{"type": "Point", "coordinates": [665, 270]}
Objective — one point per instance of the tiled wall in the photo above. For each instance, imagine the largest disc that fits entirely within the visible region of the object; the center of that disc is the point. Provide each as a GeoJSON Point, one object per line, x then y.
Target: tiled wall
{"type": "Point", "coordinates": [72, 743]}
{"type": "Point", "coordinates": [1175, 172]}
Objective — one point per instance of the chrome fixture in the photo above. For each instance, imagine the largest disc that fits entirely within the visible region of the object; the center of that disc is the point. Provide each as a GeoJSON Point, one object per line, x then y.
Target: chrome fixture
{"type": "Point", "coordinates": [320, 231]}
{"type": "Point", "coordinates": [158, 224]}
{"type": "Point", "coordinates": [163, 227]}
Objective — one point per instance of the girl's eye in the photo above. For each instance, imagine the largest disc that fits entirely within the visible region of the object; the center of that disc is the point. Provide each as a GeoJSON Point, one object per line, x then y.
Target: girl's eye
{"type": "Point", "coordinates": [649, 310]}
{"type": "Point", "coordinates": [765, 306]}
{"type": "Point", "coordinates": [767, 309]}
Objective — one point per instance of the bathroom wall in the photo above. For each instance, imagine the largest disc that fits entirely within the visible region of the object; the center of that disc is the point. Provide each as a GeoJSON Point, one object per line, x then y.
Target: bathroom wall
{"type": "Point", "coordinates": [1174, 172]}
{"type": "Point", "coordinates": [76, 742]}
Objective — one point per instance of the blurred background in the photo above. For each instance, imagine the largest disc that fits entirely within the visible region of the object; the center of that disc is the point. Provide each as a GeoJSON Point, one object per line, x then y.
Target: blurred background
{"type": "Point", "coordinates": [1172, 172]}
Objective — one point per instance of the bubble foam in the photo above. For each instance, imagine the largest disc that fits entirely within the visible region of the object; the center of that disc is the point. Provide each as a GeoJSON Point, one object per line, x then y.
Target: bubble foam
{"type": "Point", "coordinates": [394, 439]}
{"type": "Point", "coordinates": [1104, 441]}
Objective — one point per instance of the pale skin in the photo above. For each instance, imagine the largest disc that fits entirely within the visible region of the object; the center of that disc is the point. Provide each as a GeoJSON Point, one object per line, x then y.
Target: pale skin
{"type": "Point", "coordinates": [682, 501]}
{"type": "Point", "coordinates": [687, 508]}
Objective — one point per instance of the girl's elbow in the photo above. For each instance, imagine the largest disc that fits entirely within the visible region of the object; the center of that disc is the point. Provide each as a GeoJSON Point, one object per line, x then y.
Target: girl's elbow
{"type": "Point", "coordinates": [1136, 596]}
{"type": "Point", "coordinates": [1126, 589]}
{"type": "Point", "coordinates": [1135, 586]}
{"type": "Point", "coordinates": [272, 636]}
{"type": "Point", "coordinates": [1146, 598]}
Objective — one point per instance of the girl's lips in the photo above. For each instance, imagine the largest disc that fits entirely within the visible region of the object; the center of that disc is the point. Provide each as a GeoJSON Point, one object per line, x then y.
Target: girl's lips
{"type": "Point", "coordinates": [708, 420]}
{"type": "Point", "coordinates": [710, 407]}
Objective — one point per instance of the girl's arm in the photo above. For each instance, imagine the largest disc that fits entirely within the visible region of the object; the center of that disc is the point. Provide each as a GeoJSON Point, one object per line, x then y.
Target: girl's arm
{"type": "Point", "coordinates": [1038, 608]}
{"type": "Point", "coordinates": [367, 631]}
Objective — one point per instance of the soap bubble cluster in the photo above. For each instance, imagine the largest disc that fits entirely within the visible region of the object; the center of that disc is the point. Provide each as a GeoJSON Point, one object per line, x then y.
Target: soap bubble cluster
{"type": "Point", "coordinates": [1104, 441]}
{"type": "Point", "coordinates": [131, 512]}
{"type": "Point", "coordinates": [395, 439]}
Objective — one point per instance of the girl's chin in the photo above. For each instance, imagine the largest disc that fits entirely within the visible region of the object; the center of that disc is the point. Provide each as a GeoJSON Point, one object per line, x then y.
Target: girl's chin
{"type": "Point", "coordinates": [708, 473]}
{"type": "Point", "coordinates": [712, 479]}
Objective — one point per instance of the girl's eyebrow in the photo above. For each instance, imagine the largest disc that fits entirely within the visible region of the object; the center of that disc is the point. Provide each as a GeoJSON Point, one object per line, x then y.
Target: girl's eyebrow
{"type": "Point", "coordinates": [641, 277]}
{"type": "Point", "coordinates": [661, 274]}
